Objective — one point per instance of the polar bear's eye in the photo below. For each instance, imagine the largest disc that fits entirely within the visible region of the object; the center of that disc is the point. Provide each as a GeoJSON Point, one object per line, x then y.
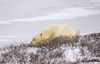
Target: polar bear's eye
{"type": "Point", "coordinates": [33, 39]}
{"type": "Point", "coordinates": [41, 34]}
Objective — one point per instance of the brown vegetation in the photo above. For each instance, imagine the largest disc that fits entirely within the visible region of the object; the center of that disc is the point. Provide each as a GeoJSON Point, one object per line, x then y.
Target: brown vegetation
{"type": "Point", "coordinates": [52, 52]}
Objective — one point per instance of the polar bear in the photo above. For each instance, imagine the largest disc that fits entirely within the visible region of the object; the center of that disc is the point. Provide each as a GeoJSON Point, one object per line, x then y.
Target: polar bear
{"type": "Point", "coordinates": [52, 32]}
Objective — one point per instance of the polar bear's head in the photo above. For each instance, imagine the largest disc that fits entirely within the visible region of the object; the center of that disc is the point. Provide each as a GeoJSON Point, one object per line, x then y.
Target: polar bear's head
{"type": "Point", "coordinates": [37, 39]}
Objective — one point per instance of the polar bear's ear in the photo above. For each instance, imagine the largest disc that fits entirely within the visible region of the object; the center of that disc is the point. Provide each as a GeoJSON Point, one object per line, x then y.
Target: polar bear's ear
{"type": "Point", "coordinates": [41, 34]}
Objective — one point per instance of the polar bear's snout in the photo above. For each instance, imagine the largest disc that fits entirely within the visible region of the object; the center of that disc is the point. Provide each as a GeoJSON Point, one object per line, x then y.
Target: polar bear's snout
{"type": "Point", "coordinates": [31, 43]}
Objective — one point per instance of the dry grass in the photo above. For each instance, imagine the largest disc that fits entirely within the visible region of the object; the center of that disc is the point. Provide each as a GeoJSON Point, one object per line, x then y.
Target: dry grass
{"type": "Point", "coordinates": [52, 52]}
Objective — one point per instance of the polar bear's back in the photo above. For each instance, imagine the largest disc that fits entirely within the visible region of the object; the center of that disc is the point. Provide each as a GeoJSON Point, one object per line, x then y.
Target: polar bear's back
{"type": "Point", "coordinates": [62, 30]}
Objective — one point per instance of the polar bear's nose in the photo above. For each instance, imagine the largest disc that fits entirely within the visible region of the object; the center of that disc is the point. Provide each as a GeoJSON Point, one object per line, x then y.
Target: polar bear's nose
{"type": "Point", "coordinates": [30, 45]}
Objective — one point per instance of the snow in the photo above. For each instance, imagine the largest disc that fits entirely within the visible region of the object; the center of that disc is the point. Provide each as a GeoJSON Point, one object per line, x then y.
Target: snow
{"type": "Point", "coordinates": [72, 54]}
